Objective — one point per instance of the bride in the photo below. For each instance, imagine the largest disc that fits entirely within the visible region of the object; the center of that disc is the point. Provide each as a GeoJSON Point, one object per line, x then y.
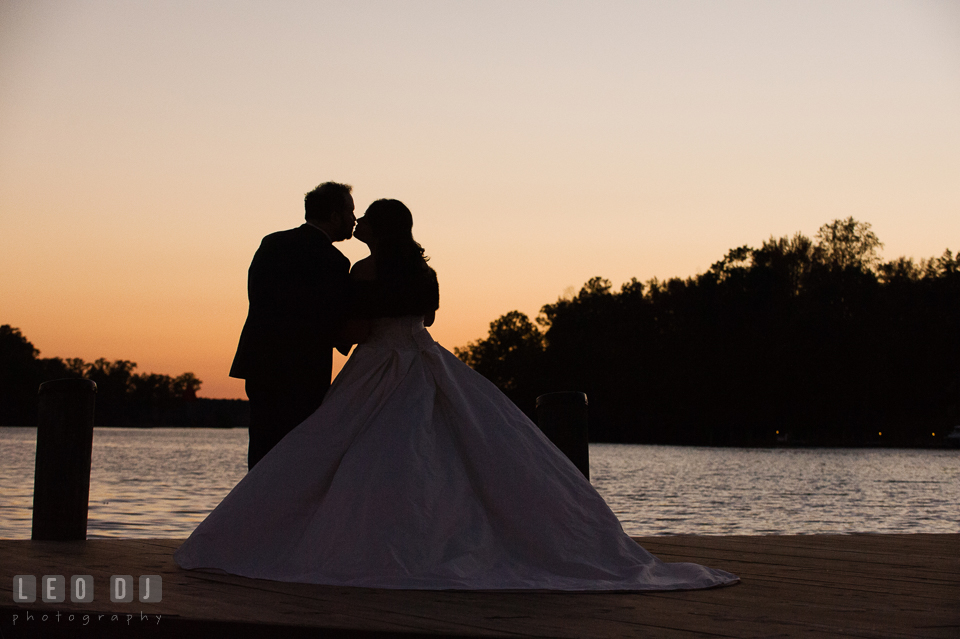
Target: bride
{"type": "Point", "coordinates": [417, 473]}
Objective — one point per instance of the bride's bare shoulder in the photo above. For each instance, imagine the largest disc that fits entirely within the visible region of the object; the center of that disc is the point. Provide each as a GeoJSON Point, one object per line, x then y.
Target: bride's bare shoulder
{"type": "Point", "coordinates": [364, 270]}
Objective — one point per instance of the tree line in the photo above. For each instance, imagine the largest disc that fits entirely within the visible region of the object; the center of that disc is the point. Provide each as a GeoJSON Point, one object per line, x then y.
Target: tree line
{"type": "Point", "coordinates": [124, 396]}
{"type": "Point", "coordinates": [808, 341]}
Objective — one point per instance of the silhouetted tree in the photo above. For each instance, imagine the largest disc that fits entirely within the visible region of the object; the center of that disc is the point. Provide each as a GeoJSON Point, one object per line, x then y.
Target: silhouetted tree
{"type": "Point", "coordinates": [848, 244]}
{"type": "Point", "coordinates": [185, 387]}
{"type": "Point", "coordinates": [17, 376]}
{"type": "Point", "coordinates": [124, 398]}
{"type": "Point", "coordinates": [510, 357]}
{"type": "Point", "coordinates": [819, 340]}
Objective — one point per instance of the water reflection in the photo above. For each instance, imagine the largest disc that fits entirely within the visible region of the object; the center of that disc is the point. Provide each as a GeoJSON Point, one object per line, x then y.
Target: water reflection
{"type": "Point", "coordinates": [661, 490]}
{"type": "Point", "coordinates": [163, 482]}
{"type": "Point", "coordinates": [159, 482]}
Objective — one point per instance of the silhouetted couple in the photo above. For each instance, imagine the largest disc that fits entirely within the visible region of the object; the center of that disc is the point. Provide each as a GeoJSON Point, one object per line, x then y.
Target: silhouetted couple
{"type": "Point", "coordinates": [411, 470]}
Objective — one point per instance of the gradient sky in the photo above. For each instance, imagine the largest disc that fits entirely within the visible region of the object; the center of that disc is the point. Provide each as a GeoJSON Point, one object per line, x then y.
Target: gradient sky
{"type": "Point", "coordinates": [146, 147]}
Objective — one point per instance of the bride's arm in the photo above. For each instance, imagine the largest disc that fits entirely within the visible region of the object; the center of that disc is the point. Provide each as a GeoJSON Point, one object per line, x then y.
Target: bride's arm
{"type": "Point", "coordinates": [433, 292]}
{"type": "Point", "coordinates": [354, 331]}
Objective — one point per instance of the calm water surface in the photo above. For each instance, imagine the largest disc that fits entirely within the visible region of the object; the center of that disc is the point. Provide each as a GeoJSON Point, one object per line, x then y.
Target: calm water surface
{"type": "Point", "coordinates": [663, 490]}
{"type": "Point", "coordinates": [162, 482]}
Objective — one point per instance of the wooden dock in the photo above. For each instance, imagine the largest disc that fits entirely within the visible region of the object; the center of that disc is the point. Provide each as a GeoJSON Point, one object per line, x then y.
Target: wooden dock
{"type": "Point", "coordinates": [791, 586]}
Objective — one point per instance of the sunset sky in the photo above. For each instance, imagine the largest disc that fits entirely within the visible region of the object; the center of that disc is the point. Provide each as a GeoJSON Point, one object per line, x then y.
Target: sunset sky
{"type": "Point", "coordinates": [146, 148]}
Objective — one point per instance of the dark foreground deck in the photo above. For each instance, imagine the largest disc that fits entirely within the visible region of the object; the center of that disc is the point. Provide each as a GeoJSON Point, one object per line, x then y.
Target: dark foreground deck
{"type": "Point", "coordinates": [810, 586]}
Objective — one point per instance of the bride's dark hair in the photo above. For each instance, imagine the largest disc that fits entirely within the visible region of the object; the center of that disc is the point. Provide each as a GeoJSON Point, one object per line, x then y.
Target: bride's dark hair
{"type": "Point", "coordinates": [406, 284]}
{"type": "Point", "coordinates": [398, 253]}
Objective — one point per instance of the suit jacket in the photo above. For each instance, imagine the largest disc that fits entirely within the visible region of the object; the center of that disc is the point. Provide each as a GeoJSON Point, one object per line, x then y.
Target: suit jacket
{"type": "Point", "coordinates": [298, 286]}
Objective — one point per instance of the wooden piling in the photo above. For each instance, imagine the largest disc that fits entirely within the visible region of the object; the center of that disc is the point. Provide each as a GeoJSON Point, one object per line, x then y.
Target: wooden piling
{"type": "Point", "coordinates": [563, 419]}
{"type": "Point", "coordinates": [61, 487]}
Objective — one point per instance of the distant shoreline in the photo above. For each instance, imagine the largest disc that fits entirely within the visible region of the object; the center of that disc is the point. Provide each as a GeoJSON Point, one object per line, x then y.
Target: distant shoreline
{"type": "Point", "coordinates": [944, 445]}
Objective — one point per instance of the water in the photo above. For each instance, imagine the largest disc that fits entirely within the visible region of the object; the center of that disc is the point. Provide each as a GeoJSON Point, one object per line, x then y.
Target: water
{"type": "Point", "coordinates": [144, 483]}
{"type": "Point", "coordinates": [163, 482]}
{"type": "Point", "coordinates": [664, 490]}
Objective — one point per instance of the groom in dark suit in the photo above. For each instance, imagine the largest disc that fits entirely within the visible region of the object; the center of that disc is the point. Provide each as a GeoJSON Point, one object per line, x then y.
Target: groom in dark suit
{"type": "Point", "coordinates": [298, 285]}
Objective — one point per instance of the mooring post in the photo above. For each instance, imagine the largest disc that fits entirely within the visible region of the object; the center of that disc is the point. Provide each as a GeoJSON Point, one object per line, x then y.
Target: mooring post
{"type": "Point", "coordinates": [61, 481]}
{"type": "Point", "coordinates": [563, 419]}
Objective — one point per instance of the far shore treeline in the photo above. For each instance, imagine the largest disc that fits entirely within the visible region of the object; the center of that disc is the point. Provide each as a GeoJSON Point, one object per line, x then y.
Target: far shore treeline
{"type": "Point", "coordinates": [124, 397]}
{"type": "Point", "coordinates": [801, 341]}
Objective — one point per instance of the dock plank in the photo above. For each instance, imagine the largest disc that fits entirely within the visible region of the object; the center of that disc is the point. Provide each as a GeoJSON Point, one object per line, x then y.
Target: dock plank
{"type": "Point", "coordinates": [791, 586]}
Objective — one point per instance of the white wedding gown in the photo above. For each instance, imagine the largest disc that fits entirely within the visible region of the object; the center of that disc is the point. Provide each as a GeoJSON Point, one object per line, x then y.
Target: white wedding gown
{"type": "Point", "coordinates": [416, 472]}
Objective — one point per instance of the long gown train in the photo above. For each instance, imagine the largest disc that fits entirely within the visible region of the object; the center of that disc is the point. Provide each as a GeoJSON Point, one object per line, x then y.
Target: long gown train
{"type": "Point", "coordinates": [416, 472]}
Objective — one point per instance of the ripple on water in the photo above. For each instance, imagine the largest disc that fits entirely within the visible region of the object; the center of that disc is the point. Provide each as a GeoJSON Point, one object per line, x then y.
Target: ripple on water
{"type": "Point", "coordinates": [792, 491]}
{"type": "Point", "coordinates": [163, 482]}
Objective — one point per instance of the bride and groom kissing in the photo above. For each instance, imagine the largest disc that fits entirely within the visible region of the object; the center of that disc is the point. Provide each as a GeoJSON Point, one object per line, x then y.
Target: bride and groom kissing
{"type": "Point", "coordinates": [303, 305]}
{"type": "Point", "coordinates": [411, 470]}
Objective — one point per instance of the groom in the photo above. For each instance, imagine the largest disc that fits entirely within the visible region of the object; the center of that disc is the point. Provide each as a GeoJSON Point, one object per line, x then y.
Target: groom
{"type": "Point", "coordinates": [297, 286]}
